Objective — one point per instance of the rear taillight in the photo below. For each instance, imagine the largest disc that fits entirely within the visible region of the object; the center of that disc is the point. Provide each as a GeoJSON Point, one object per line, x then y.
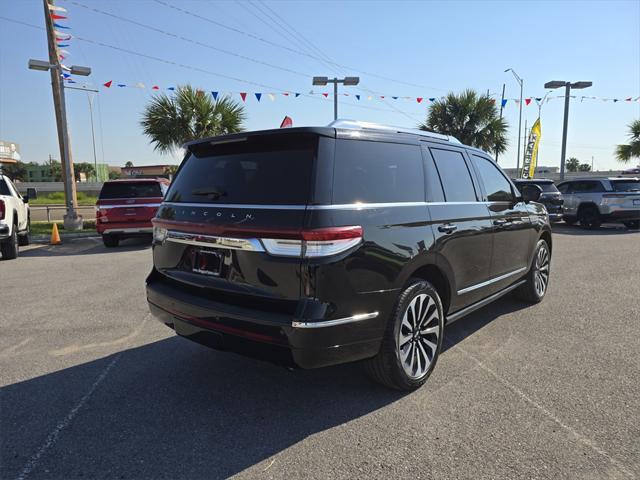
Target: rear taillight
{"type": "Point", "coordinates": [2, 209]}
{"type": "Point", "coordinates": [314, 243]}
{"type": "Point", "coordinates": [101, 215]}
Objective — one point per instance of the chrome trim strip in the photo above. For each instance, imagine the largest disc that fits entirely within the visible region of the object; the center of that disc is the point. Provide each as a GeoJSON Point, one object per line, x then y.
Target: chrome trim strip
{"type": "Point", "coordinates": [353, 206]}
{"type": "Point", "coordinates": [489, 282]}
{"type": "Point", "coordinates": [129, 230]}
{"type": "Point", "coordinates": [237, 205]}
{"type": "Point", "coordinates": [465, 311]}
{"type": "Point", "coordinates": [247, 244]}
{"type": "Point", "coordinates": [337, 321]}
{"type": "Point", "coordinates": [361, 206]}
{"type": "Point", "coordinates": [133, 205]}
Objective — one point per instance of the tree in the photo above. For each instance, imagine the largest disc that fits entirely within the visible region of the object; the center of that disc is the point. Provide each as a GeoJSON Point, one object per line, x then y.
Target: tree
{"type": "Point", "coordinates": [471, 118]}
{"type": "Point", "coordinates": [171, 170]}
{"type": "Point", "coordinates": [624, 153]}
{"type": "Point", "coordinates": [572, 164]}
{"type": "Point", "coordinates": [584, 167]}
{"type": "Point", "coordinates": [83, 167]}
{"type": "Point", "coordinates": [189, 114]}
{"type": "Point", "coordinates": [15, 171]}
{"type": "Point", "coordinates": [129, 164]}
{"type": "Point", "coordinates": [114, 175]}
{"type": "Point", "coordinates": [56, 170]}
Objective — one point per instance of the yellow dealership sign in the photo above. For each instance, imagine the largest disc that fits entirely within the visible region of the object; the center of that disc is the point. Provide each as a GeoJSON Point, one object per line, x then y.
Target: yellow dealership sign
{"type": "Point", "coordinates": [531, 154]}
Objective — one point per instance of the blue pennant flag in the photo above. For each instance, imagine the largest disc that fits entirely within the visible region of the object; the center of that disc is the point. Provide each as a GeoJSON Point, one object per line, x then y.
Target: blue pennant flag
{"type": "Point", "coordinates": [62, 45]}
{"type": "Point", "coordinates": [121, 85]}
{"type": "Point", "coordinates": [358, 97]}
{"type": "Point", "coordinates": [432, 99]}
{"type": "Point", "coordinates": [395, 98]}
{"type": "Point", "coordinates": [66, 75]}
{"type": "Point", "coordinates": [61, 26]}
{"type": "Point", "coordinates": [504, 102]}
{"type": "Point", "coordinates": [258, 96]}
{"type": "Point", "coordinates": [538, 99]}
{"type": "Point", "coordinates": [297, 95]}
{"type": "Point", "coordinates": [171, 88]}
{"type": "Point", "coordinates": [215, 95]}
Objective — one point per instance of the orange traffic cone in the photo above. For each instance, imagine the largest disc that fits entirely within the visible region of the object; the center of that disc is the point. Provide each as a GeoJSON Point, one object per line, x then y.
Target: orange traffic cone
{"type": "Point", "coordinates": [55, 236]}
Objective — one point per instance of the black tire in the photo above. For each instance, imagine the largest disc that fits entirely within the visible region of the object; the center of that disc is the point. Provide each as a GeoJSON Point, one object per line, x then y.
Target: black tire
{"type": "Point", "coordinates": [632, 224]}
{"type": "Point", "coordinates": [9, 247]}
{"type": "Point", "coordinates": [110, 241]}
{"type": "Point", "coordinates": [569, 220]}
{"type": "Point", "coordinates": [387, 367]}
{"type": "Point", "coordinates": [24, 238]}
{"type": "Point", "coordinates": [529, 291]}
{"type": "Point", "coordinates": [589, 217]}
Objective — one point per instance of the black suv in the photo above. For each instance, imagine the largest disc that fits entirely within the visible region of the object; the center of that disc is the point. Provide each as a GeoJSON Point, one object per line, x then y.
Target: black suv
{"type": "Point", "coordinates": [551, 197]}
{"type": "Point", "coordinates": [319, 246]}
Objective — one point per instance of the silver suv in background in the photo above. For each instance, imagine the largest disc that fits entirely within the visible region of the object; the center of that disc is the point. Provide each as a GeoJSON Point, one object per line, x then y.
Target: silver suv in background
{"type": "Point", "coordinates": [593, 201]}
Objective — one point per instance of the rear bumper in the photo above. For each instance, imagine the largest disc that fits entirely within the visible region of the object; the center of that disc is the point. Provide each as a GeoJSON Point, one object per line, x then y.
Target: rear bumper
{"type": "Point", "coordinates": [278, 338]}
{"type": "Point", "coordinates": [622, 215]}
{"type": "Point", "coordinates": [555, 217]}
{"type": "Point", "coordinates": [125, 229]}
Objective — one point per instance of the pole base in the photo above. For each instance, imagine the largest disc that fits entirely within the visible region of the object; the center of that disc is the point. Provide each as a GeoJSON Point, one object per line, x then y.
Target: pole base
{"type": "Point", "coordinates": [72, 222]}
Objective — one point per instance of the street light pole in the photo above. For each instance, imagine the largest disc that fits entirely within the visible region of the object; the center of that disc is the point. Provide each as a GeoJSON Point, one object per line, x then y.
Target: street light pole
{"type": "Point", "coordinates": [346, 81]}
{"type": "Point", "coordinates": [567, 97]}
{"type": "Point", "coordinates": [521, 82]}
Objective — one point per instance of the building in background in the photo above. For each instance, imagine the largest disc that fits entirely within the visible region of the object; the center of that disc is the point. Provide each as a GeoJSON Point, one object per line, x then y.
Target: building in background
{"type": "Point", "coordinates": [147, 171]}
{"type": "Point", "coordinates": [9, 152]}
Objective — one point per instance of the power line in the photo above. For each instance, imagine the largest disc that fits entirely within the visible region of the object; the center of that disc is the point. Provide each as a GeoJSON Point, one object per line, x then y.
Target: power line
{"type": "Point", "coordinates": [189, 40]}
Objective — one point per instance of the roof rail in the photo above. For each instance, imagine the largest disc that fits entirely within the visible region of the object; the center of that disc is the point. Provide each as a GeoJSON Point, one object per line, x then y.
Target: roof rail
{"type": "Point", "coordinates": [358, 125]}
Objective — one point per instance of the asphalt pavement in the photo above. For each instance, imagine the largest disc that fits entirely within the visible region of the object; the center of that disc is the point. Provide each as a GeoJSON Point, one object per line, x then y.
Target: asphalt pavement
{"type": "Point", "coordinates": [91, 386]}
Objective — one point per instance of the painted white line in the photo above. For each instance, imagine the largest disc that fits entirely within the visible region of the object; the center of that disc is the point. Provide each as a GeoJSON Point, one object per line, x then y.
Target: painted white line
{"type": "Point", "coordinates": [64, 423]}
{"type": "Point", "coordinates": [578, 436]}
{"type": "Point", "coordinates": [7, 352]}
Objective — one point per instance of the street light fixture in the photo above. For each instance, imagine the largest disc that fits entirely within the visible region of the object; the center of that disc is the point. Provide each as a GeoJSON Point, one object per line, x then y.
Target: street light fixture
{"type": "Point", "coordinates": [521, 82]}
{"type": "Point", "coordinates": [346, 81]}
{"type": "Point", "coordinates": [567, 96]}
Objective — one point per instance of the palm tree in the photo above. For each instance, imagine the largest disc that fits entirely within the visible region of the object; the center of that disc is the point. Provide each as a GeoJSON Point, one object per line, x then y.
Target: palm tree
{"type": "Point", "coordinates": [624, 153]}
{"type": "Point", "coordinates": [187, 115]}
{"type": "Point", "coordinates": [572, 164]}
{"type": "Point", "coordinates": [471, 118]}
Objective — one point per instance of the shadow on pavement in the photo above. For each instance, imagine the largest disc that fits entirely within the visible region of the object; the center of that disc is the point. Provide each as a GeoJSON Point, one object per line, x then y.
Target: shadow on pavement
{"type": "Point", "coordinates": [608, 229]}
{"type": "Point", "coordinates": [86, 246]}
{"type": "Point", "coordinates": [174, 409]}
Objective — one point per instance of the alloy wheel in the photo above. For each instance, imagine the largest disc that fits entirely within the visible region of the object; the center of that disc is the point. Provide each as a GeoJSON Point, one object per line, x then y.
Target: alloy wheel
{"type": "Point", "coordinates": [418, 336]}
{"type": "Point", "coordinates": [541, 274]}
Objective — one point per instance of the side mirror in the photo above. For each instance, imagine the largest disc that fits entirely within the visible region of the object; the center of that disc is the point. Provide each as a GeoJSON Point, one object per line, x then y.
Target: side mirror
{"type": "Point", "coordinates": [32, 193]}
{"type": "Point", "coordinates": [25, 198]}
{"type": "Point", "coordinates": [530, 193]}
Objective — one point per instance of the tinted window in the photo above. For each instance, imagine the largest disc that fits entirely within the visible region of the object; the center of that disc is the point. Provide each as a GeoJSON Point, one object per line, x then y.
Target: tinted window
{"type": "Point", "coordinates": [4, 188]}
{"type": "Point", "coordinates": [563, 187]}
{"type": "Point", "coordinates": [260, 170]}
{"type": "Point", "coordinates": [454, 175]}
{"type": "Point", "coordinates": [129, 189]}
{"type": "Point", "coordinates": [547, 187]}
{"type": "Point", "coordinates": [626, 185]}
{"type": "Point", "coordinates": [375, 172]}
{"type": "Point", "coordinates": [586, 187]}
{"type": "Point", "coordinates": [497, 187]}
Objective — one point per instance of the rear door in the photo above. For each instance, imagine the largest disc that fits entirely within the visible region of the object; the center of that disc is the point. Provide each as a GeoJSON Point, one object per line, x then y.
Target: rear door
{"type": "Point", "coordinates": [513, 230]}
{"type": "Point", "coordinates": [461, 225]}
{"type": "Point", "coordinates": [129, 201]}
{"type": "Point", "coordinates": [21, 207]}
{"type": "Point", "coordinates": [226, 202]}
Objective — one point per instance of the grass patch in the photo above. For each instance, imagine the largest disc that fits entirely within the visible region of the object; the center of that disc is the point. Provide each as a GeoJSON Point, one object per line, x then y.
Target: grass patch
{"type": "Point", "coordinates": [58, 197]}
{"type": "Point", "coordinates": [44, 228]}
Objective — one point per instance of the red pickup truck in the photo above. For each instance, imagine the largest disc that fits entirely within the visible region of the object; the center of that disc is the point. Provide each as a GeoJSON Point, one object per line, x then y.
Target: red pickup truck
{"type": "Point", "coordinates": [125, 208]}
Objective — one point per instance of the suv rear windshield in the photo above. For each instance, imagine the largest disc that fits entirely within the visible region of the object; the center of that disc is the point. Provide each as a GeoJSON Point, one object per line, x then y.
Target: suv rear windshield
{"type": "Point", "coordinates": [270, 170]}
{"type": "Point", "coordinates": [626, 185]}
{"type": "Point", "coordinates": [546, 187]}
{"type": "Point", "coordinates": [111, 190]}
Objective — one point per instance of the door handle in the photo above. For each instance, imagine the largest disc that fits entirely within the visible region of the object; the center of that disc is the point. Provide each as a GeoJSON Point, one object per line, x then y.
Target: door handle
{"type": "Point", "coordinates": [500, 222]}
{"type": "Point", "coordinates": [447, 228]}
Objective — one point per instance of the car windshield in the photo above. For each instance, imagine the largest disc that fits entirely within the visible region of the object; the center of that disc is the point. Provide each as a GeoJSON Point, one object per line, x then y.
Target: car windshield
{"type": "Point", "coordinates": [626, 185]}
{"type": "Point", "coordinates": [111, 190]}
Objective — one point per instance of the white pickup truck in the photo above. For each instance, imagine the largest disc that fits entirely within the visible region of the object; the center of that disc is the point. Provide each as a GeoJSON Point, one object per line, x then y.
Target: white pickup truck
{"type": "Point", "coordinates": [14, 219]}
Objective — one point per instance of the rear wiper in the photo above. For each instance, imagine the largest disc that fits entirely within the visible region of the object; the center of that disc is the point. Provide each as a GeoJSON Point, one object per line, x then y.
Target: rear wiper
{"type": "Point", "coordinates": [209, 192]}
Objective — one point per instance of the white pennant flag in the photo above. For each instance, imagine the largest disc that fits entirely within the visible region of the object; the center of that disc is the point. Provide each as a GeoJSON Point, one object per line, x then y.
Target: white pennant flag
{"type": "Point", "coordinates": [56, 8]}
{"type": "Point", "coordinates": [272, 97]}
{"type": "Point", "coordinates": [140, 85]}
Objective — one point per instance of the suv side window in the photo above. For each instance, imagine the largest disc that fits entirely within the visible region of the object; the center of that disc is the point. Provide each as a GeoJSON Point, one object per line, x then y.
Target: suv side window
{"type": "Point", "coordinates": [454, 175]}
{"type": "Point", "coordinates": [377, 172]}
{"type": "Point", "coordinates": [564, 187]}
{"type": "Point", "coordinates": [588, 186]}
{"type": "Point", "coordinates": [496, 186]}
{"type": "Point", "coordinates": [4, 188]}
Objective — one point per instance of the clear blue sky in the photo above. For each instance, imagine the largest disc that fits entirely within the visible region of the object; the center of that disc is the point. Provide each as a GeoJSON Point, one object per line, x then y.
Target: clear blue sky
{"type": "Point", "coordinates": [441, 46]}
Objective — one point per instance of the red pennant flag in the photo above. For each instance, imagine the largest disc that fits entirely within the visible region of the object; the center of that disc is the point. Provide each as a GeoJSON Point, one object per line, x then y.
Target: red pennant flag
{"type": "Point", "coordinates": [108, 84]}
{"type": "Point", "coordinates": [419, 99]}
{"type": "Point", "coordinates": [287, 122]}
{"type": "Point", "coordinates": [244, 96]}
{"type": "Point", "coordinates": [325, 95]}
{"type": "Point", "coordinates": [155, 87]}
{"type": "Point", "coordinates": [627, 99]}
{"type": "Point", "coordinates": [58, 17]}
{"type": "Point", "coordinates": [286, 94]}
{"type": "Point", "coordinates": [527, 101]}
{"type": "Point", "coordinates": [381, 96]}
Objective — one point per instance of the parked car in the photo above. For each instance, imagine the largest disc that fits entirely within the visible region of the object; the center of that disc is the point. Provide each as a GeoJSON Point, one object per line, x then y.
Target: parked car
{"type": "Point", "coordinates": [551, 198]}
{"type": "Point", "coordinates": [125, 208]}
{"type": "Point", "coordinates": [324, 245]}
{"type": "Point", "coordinates": [593, 200]}
{"type": "Point", "coordinates": [632, 171]}
{"type": "Point", "coordinates": [15, 219]}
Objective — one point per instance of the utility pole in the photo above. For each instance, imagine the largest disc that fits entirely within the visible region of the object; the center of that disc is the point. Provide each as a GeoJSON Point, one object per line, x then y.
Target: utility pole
{"type": "Point", "coordinates": [72, 221]}
{"type": "Point", "coordinates": [501, 108]}
{"type": "Point", "coordinates": [525, 141]}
